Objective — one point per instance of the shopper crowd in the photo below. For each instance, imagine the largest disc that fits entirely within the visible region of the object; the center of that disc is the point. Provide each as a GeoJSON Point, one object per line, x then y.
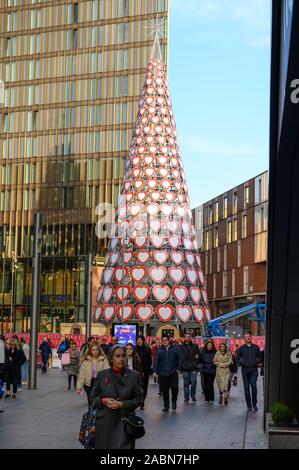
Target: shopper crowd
{"type": "Point", "coordinates": [115, 378]}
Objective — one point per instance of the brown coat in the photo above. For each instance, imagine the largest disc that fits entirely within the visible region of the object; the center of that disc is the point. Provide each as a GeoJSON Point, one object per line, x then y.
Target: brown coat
{"type": "Point", "coordinates": [222, 362]}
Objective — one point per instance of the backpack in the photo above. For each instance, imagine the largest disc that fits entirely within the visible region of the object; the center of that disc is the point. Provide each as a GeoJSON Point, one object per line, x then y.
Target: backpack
{"type": "Point", "coordinates": [62, 348]}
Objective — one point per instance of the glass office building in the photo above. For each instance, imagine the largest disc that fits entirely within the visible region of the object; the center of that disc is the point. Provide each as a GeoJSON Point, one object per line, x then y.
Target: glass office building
{"type": "Point", "coordinates": [72, 73]}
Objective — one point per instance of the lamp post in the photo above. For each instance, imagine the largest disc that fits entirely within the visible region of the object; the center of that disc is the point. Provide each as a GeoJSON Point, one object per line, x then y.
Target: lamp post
{"type": "Point", "coordinates": [13, 267]}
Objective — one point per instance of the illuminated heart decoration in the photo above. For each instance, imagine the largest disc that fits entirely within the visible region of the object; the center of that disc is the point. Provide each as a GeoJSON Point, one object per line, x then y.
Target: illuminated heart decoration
{"type": "Point", "coordinates": [114, 258]}
{"type": "Point", "coordinates": [180, 293]}
{"type": "Point", "coordinates": [120, 273]}
{"type": "Point", "coordinates": [141, 293]}
{"type": "Point", "coordinates": [198, 313]}
{"type": "Point", "coordinates": [125, 311]}
{"type": "Point", "coordinates": [158, 129]}
{"type": "Point", "coordinates": [128, 185]}
{"type": "Point", "coordinates": [168, 130]}
{"type": "Point", "coordinates": [155, 225]}
{"type": "Point", "coordinates": [167, 210]}
{"type": "Point", "coordinates": [170, 139]}
{"type": "Point", "coordinates": [166, 120]}
{"type": "Point", "coordinates": [122, 212]}
{"type": "Point", "coordinates": [181, 198]}
{"type": "Point", "coordinates": [180, 211]}
{"type": "Point", "coordinates": [201, 277]}
{"type": "Point", "coordinates": [164, 149]}
{"type": "Point", "coordinates": [162, 161]}
{"type": "Point", "coordinates": [138, 273]}
{"type": "Point", "coordinates": [140, 241]}
{"type": "Point", "coordinates": [136, 172]}
{"type": "Point", "coordinates": [107, 275]}
{"type": "Point", "coordinates": [169, 196]}
{"type": "Point", "coordinates": [207, 313]}
{"type": "Point", "coordinates": [160, 100]}
{"type": "Point", "coordinates": [146, 129]}
{"type": "Point", "coordinates": [109, 311]}
{"type": "Point", "coordinates": [198, 260]}
{"type": "Point", "coordinates": [174, 152]}
{"type": "Point", "coordinates": [185, 227]}
{"type": "Point", "coordinates": [161, 139]}
{"type": "Point", "coordinates": [98, 313]}
{"type": "Point", "coordinates": [128, 255]}
{"type": "Point", "coordinates": [144, 312]}
{"type": "Point", "coordinates": [139, 140]}
{"type": "Point", "coordinates": [175, 173]}
{"type": "Point", "coordinates": [99, 294]}
{"type": "Point", "coordinates": [160, 91]}
{"type": "Point", "coordinates": [161, 293]}
{"type": "Point", "coordinates": [152, 109]}
{"type": "Point", "coordinates": [138, 184]}
{"type": "Point", "coordinates": [178, 185]}
{"type": "Point", "coordinates": [176, 274]}
{"type": "Point", "coordinates": [183, 312]}
{"type": "Point", "coordinates": [135, 209]}
{"type": "Point", "coordinates": [144, 120]}
{"type": "Point", "coordinates": [122, 292]}
{"type": "Point", "coordinates": [141, 196]}
{"type": "Point", "coordinates": [149, 139]}
{"type": "Point", "coordinates": [149, 100]}
{"type": "Point", "coordinates": [157, 241]}
{"type": "Point", "coordinates": [174, 161]}
{"type": "Point", "coordinates": [166, 184]}
{"type": "Point", "coordinates": [152, 183]}
{"type": "Point", "coordinates": [114, 243]}
{"type": "Point", "coordinates": [143, 256]}
{"type": "Point", "coordinates": [142, 111]}
{"type": "Point", "coordinates": [163, 172]}
{"type": "Point", "coordinates": [148, 159]}
{"type": "Point", "coordinates": [136, 161]}
{"type": "Point", "coordinates": [141, 149]}
{"type": "Point", "coordinates": [152, 209]}
{"type": "Point", "coordinates": [155, 119]}
{"type": "Point", "coordinates": [192, 275]}
{"type": "Point", "coordinates": [160, 256]}
{"type": "Point", "coordinates": [187, 243]}
{"type": "Point", "coordinates": [190, 258]}
{"type": "Point", "coordinates": [139, 225]}
{"type": "Point", "coordinates": [138, 130]}
{"type": "Point", "coordinates": [149, 81]}
{"type": "Point", "coordinates": [195, 294]}
{"type": "Point", "coordinates": [150, 90]}
{"type": "Point", "coordinates": [159, 81]}
{"type": "Point", "coordinates": [174, 241]}
{"type": "Point", "coordinates": [165, 312]}
{"type": "Point", "coordinates": [157, 273]}
{"type": "Point", "coordinates": [177, 257]}
{"type": "Point", "coordinates": [156, 196]}
{"type": "Point", "coordinates": [149, 171]}
{"type": "Point", "coordinates": [172, 225]}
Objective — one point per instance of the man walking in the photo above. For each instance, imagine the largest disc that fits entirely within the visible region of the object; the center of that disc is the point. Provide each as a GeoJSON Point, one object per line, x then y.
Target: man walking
{"type": "Point", "coordinates": [249, 358]}
{"type": "Point", "coordinates": [189, 366]}
{"type": "Point", "coordinates": [167, 366]}
{"type": "Point", "coordinates": [46, 352]}
{"type": "Point", "coordinates": [145, 356]}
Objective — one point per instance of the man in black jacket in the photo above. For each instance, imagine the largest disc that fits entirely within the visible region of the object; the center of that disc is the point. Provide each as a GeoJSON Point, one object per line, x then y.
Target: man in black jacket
{"type": "Point", "coordinates": [145, 356]}
{"type": "Point", "coordinates": [249, 358]}
{"type": "Point", "coordinates": [189, 367]}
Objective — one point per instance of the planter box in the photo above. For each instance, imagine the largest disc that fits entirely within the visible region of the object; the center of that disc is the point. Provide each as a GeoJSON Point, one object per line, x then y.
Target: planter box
{"type": "Point", "coordinates": [281, 436]}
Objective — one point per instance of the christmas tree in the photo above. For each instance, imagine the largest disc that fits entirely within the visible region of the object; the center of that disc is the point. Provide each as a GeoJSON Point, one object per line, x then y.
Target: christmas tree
{"type": "Point", "coordinates": [152, 268]}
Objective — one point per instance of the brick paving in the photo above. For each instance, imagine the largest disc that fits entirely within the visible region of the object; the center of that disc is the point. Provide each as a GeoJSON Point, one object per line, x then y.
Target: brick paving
{"type": "Point", "coordinates": [50, 417]}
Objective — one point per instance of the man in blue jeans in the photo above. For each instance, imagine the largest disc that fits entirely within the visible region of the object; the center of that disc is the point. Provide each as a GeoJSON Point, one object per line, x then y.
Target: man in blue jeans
{"type": "Point", "coordinates": [189, 367]}
{"type": "Point", "coordinates": [249, 358]}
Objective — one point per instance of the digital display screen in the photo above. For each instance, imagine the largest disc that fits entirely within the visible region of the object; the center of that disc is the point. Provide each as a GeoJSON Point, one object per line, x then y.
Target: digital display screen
{"type": "Point", "coordinates": [125, 333]}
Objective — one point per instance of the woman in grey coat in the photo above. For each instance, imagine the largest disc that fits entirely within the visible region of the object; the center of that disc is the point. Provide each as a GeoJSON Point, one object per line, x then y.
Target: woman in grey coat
{"type": "Point", "coordinates": [74, 365]}
{"type": "Point", "coordinates": [117, 392]}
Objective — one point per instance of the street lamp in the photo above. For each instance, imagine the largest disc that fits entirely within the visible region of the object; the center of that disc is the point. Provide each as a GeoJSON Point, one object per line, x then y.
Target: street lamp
{"type": "Point", "coordinates": [13, 268]}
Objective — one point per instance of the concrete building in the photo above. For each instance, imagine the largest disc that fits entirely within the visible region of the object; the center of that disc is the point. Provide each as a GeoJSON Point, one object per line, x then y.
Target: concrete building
{"type": "Point", "coordinates": [232, 235]}
{"type": "Point", "coordinates": [72, 73]}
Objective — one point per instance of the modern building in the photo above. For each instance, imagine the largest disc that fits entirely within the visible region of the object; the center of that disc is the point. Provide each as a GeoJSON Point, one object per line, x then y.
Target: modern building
{"type": "Point", "coordinates": [72, 73]}
{"type": "Point", "coordinates": [232, 236]}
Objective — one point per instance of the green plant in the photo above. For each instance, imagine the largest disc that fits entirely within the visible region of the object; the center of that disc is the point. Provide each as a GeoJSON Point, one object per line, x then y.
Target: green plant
{"type": "Point", "coordinates": [281, 413]}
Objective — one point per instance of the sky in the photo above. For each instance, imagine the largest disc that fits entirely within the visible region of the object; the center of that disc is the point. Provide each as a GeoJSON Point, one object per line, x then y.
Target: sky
{"type": "Point", "coordinates": [219, 78]}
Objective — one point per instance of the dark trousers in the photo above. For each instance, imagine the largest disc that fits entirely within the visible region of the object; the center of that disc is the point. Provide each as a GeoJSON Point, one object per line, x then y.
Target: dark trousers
{"type": "Point", "coordinates": [45, 360]}
{"type": "Point", "coordinates": [249, 381]}
{"type": "Point", "coordinates": [145, 385]}
{"type": "Point", "coordinates": [70, 380]}
{"type": "Point", "coordinates": [88, 391]}
{"type": "Point", "coordinates": [190, 378]}
{"type": "Point", "coordinates": [208, 381]}
{"type": "Point", "coordinates": [14, 387]}
{"type": "Point", "coordinates": [169, 382]}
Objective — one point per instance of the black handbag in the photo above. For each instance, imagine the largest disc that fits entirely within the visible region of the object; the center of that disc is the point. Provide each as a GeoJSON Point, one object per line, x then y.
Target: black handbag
{"type": "Point", "coordinates": [133, 426]}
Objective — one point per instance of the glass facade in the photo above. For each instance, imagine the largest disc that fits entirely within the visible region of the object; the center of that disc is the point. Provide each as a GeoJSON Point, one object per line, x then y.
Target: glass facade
{"type": "Point", "coordinates": [72, 74]}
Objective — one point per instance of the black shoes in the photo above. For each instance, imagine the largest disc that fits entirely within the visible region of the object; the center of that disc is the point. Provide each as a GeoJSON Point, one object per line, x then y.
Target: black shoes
{"type": "Point", "coordinates": [220, 400]}
{"type": "Point", "coordinates": [255, 408]}
{"type": "Point", "coordinates": [165, 410]}
{"type": "Point", "coordinates": [186, 401]}
{"type": "Point", "coordinates": [225, 401]}
{"type": "Point", "coordinates": [13, 396]}
{"type": "Point", "coordinates": [249, 408]}
{"type": "Point", "coordinates": [6, 396]}
{"type": "Point", "coordinates": [193, 399]}
{"type": "Point", "coordinates": [173, 406]}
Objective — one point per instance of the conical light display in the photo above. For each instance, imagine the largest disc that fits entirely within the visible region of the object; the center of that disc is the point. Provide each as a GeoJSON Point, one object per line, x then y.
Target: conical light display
{"type": "Point", "coordinates": [152, 268]}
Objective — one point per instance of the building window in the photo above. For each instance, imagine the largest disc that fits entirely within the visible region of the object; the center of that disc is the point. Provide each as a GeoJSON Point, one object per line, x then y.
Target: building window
{"type": "Point", "coordinates": [218, 258]}
{"type": "Point", "coordinates": [216, 212]}
{"type": "Point", "coordinates": [239, 253]}
{"type": "Point", "coordinates": [216, 237]}
{"type": "Point", "coordinates": [229, 232]}
{"type": "Point", "coordinates": [246, 197]}
{"type": "Point", "coordinates": [235, 230]}
{"type": "Point", "coordinates": [244, 226]}
{"type": "Point", "coordinates": [207, 240]}
{"type": "Point", "coordinates": [76, 13]}
{"type": "Point", "coordinates": [211, 261]}
{"type": "Point", "coordinates": [210, 220]}
{"type": "Point", "coordinates": [225, 257]}
{"type": "Point", "coordinates": [235, 202]}
{"type": "Point", "coordinates": [224, 283]}
{"type": "Point", "coordinates": [245, 280]}
{"type": "Point", "coordinates": [207, 263]}
{"type": "Point", "coordinates": [233, 282]}
{"type": "Point", "coordinates": [225, 207]}
{"type": "Point", "coordinates": [214, 286]}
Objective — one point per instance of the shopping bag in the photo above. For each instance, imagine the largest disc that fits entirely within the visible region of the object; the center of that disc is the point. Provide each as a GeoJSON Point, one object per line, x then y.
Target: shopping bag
{"type": "Point", "coordinates": [87, 433]}
{"type": "Point", "coordinates": [66, 359]}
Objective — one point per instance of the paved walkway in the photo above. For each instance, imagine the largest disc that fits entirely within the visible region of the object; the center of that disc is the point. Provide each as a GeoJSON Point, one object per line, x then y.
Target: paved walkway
{"type": "Point", "coordinates": [50, 417]}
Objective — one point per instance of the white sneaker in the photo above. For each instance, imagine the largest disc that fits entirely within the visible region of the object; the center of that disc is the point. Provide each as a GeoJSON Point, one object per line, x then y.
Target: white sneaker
{"type": "Point", "coordinates": [20, 389]}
